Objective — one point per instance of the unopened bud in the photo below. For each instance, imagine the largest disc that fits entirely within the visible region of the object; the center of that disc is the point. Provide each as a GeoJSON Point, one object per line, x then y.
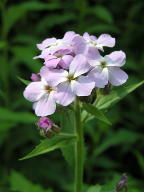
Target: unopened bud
{"type": "Point", "coordinates": [122, 184]}
{"type": "Point", "coordinates": [45, 123]}
{"type": "Point", "coordinates": [35, 77]}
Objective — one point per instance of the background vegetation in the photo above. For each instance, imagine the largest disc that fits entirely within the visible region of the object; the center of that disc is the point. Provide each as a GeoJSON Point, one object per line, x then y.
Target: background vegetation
{"type": "Point", "coordinates": [110, 150]}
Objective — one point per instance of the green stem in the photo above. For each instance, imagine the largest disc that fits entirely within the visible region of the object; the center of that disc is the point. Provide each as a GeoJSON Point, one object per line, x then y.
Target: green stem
{"type": "Point", "coordinates": [79, 149]}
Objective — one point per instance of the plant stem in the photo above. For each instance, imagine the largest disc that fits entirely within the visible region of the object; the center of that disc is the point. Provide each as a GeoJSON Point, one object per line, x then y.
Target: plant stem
{"type": "Point", "coordinates": [79, 149]}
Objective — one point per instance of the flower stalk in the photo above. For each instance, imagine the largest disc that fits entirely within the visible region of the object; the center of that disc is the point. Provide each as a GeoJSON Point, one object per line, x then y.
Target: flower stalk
{"type": "Point", "coordinates": [79, 149]}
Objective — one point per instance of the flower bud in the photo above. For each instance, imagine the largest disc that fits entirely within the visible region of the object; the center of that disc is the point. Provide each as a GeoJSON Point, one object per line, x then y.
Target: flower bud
{"type": "Point", "coordinates": [35, 77]}
{"type": "Point", "coordinates": [122, 184]}
{"type": "Point", "coordinates": [47, 128]}
{"type": "Point", "coordinates": [45, 123]}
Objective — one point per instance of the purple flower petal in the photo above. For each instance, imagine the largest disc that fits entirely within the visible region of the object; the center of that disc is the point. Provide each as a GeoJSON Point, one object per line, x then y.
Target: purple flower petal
{"type": "Point", "coordinates": [117, 76]}
{"type": "Point", "coordinates": [65, 95]}
{"type": "Point", "coordinates": [46, 43]}
{"type": "Point", "coordinates": [106, 40]}
{"type": "Point", "coordinates": [92, 53]}
{"type": "Point", "coordinates": [79, 65]}
{"type": "Point", "coordinates": [99, 76]}
{"type": "Point", "coordinates": [46, 105]}
{"type": "Point", "coordinates": [52, 63]}
{"type": "Point", "coordinates": [83, 86]}
{"type": "Point", "coordinates": [116, 58]}
{"type": "Point", "coordinates": [69, 35]}
{"type": "Point", "coordinates": [33, 91]}
{"type": "Point", "coordinates": [65, 61]}
{"type": "Point", "coordinates": [54, 76]}
{"type": "Point", "coordinates": [78, 44]}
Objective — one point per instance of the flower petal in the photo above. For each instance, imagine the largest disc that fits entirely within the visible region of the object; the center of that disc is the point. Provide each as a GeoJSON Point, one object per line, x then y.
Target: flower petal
{"type": "Point", "coordinates": [86, 36]}
{"type": "Point", "coordinates": [78, 44]}
{"type": "Point", "coordinates": [65, 61]}
{"type": "Point", "coordinates": [69, 35]}
{"type": "Point", "coordinates": [33, 91]}
{"type": "Point", "coordinates": [116, 58]}
{"type": "Point", "coordinates": [65, 95]}
{"type": "Point", "coordinates": [117, 76]}
{"type": "Point", "coordinates": [92, 53]}
{"type": "Point", "coordinates": [52, 63]}
{"type": "Point", "coordinates": [46, 43]}
{"type": "Point", "coordinates": [83, 86]}
{"type": "Point", "coordinates": [79, 65]}
{"type": "Point", "coordinates": [106, 40]}
{"type": "Point", "coordinates": [46, 105]}
{"type": "Point", "coordinates": [99, 76]}
{"type": "Point", "coordinates": [54, 76]}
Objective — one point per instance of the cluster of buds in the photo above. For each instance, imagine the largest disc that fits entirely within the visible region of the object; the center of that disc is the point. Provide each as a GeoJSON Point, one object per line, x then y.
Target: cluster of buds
{"type": "Point", "coordinates": [47, 127]}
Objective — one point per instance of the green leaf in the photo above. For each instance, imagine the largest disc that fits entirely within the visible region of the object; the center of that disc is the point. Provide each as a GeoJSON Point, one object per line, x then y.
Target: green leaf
{"type": "Point", "coordinates": [48, 145]}
{"type": "Point", "coordinates": [97, 113]}
{"type": "Point", "coordinates": [116, 95]}
{"type": "Point", "coordinates": [19, 183]}
{"type": "Point", "coordinates": [19, 117]}
{"type": "Point", "coordinates": [140, 159]}
{"type": "Point", "coordinates": [15, 13]}
{"type": "Point", "coordinates": [55, 20]}
{"type": "Point", "coordinates": [95, 188]}
{"type": "Point", "coordinates": [25, 54]}
{"type": "Point", "coordinates": [67, 125]}
{"type": "Point", "coordinates": [26, 82]}
{"type": "Point", "coordinates": [102, 13]}
{"type": "Point", "coordinates": [103, 28]}
{"type": "Point", "coordinates": [67, 152]}
{"type": "Point", "coordinates": [117, 138]}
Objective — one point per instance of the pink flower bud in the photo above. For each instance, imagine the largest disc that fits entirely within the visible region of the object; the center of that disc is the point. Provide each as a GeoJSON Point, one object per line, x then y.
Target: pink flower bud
{"type": "Point", "coordinates": [35, 77]}
{"type": "Point", "coordinates": [45, 123]}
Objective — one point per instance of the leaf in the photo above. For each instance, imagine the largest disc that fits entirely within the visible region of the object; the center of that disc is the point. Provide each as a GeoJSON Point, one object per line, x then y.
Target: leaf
{"type": "Point", "coordinates": [19, 183]}
{"type": "Point", "coordinates": [116, 95]}
{"type": "Point", "coordinates": [67, 152]}
{"type": "Point", "coordinates": [67, 125]}
{"type": "Point", "coordinates": [95, 188]}
{"type": "Point", "coordinates": [15, 13]}
{"type": "Point", "coordinates": [97, 113]}
{"type": "Point", "coordinates": [48, 145]}
{"type": "Point", "coordinates": [55, 19]}
{"type": "Point", "coordinates": [140, 159]}
{"type": "Point", "coordinates": [26, 82]}
{"type": "Point", "coordinates": [25, 54]}
{"type": "Point", "coordinates": [19, 117]}
{"type": "Point", "coordinates": [120, 137]}
{"type": "Point", "coordinates": [103, 28]}
{"type": "Point", "coordinates": [102, 13]}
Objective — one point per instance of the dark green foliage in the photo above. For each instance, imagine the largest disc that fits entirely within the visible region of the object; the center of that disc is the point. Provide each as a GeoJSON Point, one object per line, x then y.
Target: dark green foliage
{"type": "Point", "coordinates": [110, 150]}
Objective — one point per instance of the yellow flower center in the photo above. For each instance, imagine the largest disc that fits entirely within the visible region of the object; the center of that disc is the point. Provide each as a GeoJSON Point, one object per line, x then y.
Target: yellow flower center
{"type": "Point", "coordinates": [103, 64]}
{"type": "Point", "coordinates": [48, 89]}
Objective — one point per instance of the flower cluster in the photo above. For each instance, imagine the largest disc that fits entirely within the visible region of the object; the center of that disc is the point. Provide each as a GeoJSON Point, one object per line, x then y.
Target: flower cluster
{"type": "Point", "coordinates": [73, 66]}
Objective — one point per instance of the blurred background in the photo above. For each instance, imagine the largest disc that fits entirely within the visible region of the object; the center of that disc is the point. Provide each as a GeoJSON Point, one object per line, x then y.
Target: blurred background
{"type": "Point", "coordinates": [111, 151]}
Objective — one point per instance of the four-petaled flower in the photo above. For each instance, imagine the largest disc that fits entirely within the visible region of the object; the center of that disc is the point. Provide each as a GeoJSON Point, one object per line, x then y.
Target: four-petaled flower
{"type": "Point", "coordinates": [107, 69]}
{"type": "Point", "coordinates": [43, 96]}
{"type": "Point", "coordinates": [70, 83]}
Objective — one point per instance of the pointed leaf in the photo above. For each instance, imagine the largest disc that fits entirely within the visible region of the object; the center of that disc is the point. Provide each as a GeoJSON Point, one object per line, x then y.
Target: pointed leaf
{"type": "Point", "coordinates": [116, 95]}
{"type": "Point", "coordinates": [26, 82]}
{"type": "Point", "coordinates": [97, 113]}
{"type": "Point", "coordinates": [48, 145]}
